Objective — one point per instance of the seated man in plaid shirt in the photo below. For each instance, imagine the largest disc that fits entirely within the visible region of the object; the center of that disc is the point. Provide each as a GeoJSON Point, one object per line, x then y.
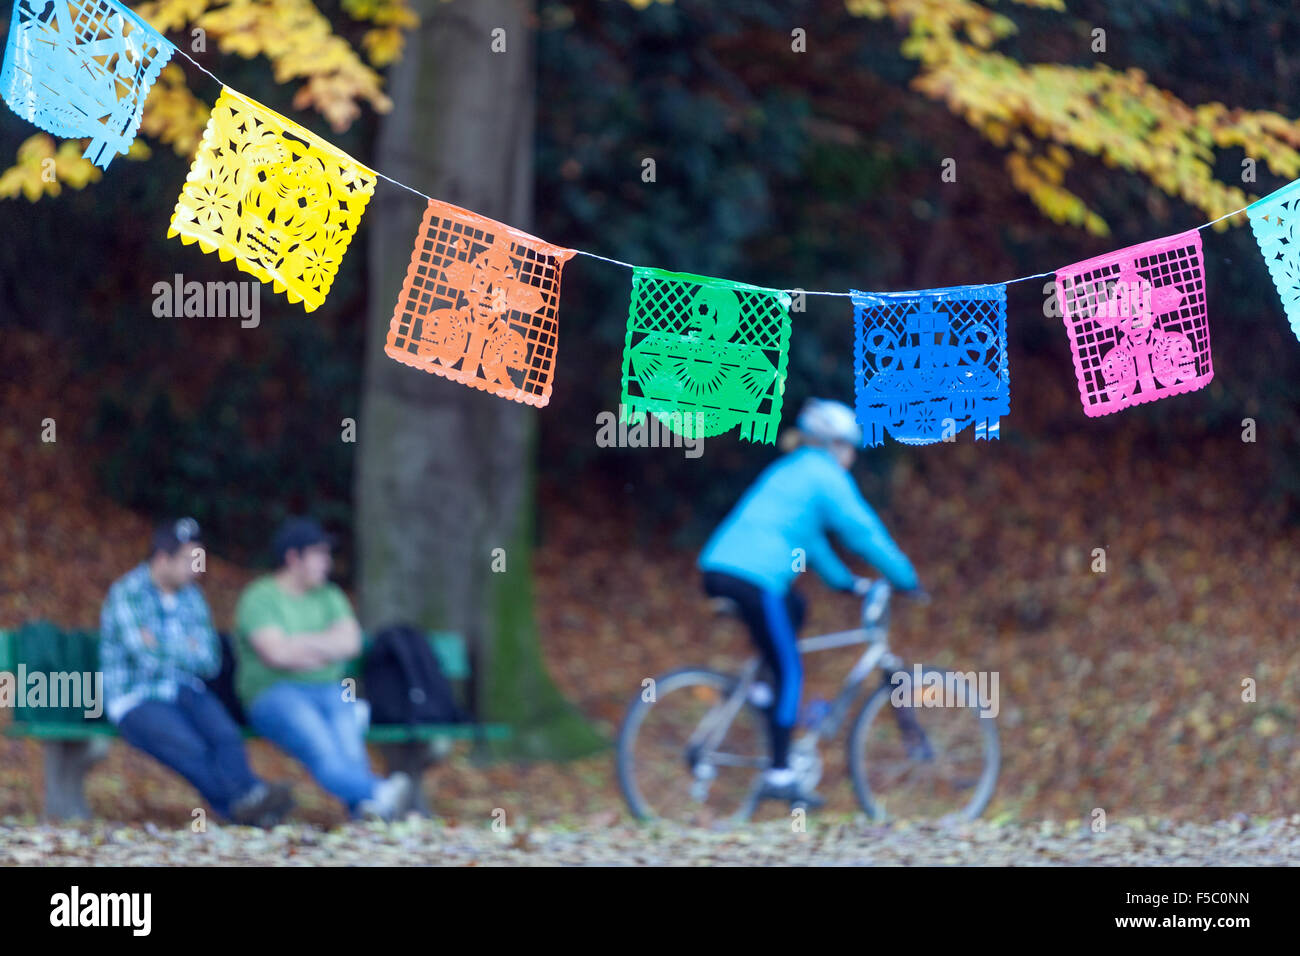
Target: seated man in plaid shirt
{"type": "Point", "coordinates": [156, 645]}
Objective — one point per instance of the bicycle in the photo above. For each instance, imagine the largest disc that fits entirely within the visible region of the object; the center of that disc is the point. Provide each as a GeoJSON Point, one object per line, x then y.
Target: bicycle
{"type": "Point", "coordinates": [714, 745]}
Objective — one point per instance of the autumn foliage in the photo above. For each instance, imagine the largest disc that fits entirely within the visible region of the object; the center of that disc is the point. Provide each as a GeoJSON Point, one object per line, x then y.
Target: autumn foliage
{"type": "Point", "coordinates": [1042, 116]}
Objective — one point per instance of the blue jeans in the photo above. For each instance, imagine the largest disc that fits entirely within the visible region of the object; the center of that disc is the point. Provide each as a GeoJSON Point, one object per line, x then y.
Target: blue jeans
{"type": "Point", "coordinates": [313, 723]}
{"type": "Point", "coordinates": [194, 736]}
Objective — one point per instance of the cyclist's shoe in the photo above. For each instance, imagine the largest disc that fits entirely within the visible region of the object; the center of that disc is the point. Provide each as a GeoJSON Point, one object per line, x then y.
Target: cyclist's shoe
{"type": "Point", "coordinates": [786, 788]}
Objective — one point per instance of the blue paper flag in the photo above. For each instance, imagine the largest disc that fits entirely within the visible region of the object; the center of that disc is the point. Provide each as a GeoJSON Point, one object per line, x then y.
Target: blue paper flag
{"type": "Point", "coordinates": [1275, 220]}
{"type": "Point", "coordinates": [929, 364]}
{"type": "Point", "coordinates": [82, 69]}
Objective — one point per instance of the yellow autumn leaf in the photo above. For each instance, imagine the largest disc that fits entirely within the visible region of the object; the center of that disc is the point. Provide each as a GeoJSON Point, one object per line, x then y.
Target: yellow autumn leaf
{"type": "Point", "coordinates": [383, 46]}
{"type": "Point", "coordinates": [43, 170]}
{"type": "Point", "coordinates": [167, 15]}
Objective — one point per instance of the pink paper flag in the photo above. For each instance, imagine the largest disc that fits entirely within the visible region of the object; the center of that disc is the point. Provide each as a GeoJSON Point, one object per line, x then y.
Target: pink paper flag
{"type": "Point", "coordinates": [1137, 323]}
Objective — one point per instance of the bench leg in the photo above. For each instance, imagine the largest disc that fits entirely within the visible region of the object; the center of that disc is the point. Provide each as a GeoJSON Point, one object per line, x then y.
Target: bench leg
{"type": "Point", "coordinates": [66, 764]}
{"type": "Point", "coordinates": [413, 759]}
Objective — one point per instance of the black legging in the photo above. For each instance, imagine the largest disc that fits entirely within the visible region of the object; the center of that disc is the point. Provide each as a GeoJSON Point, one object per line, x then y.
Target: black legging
{"type": "Point", "coordinates": [773, 620]}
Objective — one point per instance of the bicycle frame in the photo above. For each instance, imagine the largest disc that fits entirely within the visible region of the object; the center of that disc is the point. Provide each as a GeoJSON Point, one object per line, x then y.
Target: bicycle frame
{"type": "Point", "coordinates": [874, 632]}
{"type": "Point", "coordinates": [736, 762]}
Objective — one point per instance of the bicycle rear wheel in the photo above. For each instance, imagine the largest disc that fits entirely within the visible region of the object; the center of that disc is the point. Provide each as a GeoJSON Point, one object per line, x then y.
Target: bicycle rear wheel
{"type": "Point", "coordinates": [922, 762]}
{"type": "Point", "coordinates": [661, 780]}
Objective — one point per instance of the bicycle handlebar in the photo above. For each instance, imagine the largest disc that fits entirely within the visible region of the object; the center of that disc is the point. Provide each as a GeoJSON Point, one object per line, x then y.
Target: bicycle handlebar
{"type": "Point", "coordinates": [916, 594]}
{"type": "Point", "coordinates": [875, 599]}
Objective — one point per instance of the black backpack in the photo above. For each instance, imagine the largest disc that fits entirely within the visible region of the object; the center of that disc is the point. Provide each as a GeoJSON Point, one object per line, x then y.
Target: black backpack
{"type": "Point", "coordinates": [404, 682]}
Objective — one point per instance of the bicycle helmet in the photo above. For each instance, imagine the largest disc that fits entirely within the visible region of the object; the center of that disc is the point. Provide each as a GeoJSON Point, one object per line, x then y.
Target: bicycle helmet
{"type": "Point", "coordinates": [828, 421]}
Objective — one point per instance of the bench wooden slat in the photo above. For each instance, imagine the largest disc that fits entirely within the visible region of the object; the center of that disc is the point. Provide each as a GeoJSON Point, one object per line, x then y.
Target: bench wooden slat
{"type": "Point", "coordinates": [400, 733]}
{"type": "Point", "coordinates": [86, 730]}
{"type": "Point", "coordinates": [447, 645]}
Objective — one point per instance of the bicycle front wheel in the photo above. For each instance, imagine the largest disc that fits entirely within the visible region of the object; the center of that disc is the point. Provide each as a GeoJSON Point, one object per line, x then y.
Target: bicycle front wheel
{"type": "Point", "coordinates": [923, 761]}
{"type": "Point", "coordinates": [663, 776]}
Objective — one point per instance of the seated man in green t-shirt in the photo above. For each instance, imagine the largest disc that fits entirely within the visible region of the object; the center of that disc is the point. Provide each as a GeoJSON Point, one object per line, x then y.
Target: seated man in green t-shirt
{"type": "Point", "coordinates": [295, 632]}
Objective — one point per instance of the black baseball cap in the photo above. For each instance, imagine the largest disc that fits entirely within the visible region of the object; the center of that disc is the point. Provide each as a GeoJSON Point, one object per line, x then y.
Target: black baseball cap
{"type": "Point", "coordinates": [171, 534]}
{"type": "Point", "coordinates": [295, 534]}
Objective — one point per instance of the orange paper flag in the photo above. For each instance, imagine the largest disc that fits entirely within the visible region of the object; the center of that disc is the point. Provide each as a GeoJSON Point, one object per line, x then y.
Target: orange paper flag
{"type": "Point", "coordinates": [480, 305]}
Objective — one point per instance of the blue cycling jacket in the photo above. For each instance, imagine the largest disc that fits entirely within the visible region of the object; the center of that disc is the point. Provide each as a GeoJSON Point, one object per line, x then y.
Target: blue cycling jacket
{"type": "Point", "coordinates": [793, 504]}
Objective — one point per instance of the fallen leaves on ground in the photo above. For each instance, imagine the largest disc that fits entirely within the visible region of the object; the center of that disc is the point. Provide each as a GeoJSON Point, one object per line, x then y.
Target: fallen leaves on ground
{"type": "Point", "coordinates": [832, 842]}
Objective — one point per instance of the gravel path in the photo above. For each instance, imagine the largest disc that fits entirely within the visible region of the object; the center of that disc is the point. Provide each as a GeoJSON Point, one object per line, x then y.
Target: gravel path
{"type": "Point", "coordinates": [596, 841]}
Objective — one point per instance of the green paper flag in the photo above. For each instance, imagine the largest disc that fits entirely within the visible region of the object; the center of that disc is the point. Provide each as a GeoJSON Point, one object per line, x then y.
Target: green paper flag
{"type": "Point", "coordinates": [705, 355]}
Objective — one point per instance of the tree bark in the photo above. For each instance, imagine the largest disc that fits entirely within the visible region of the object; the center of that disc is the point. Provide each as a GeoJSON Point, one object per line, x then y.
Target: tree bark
{"type": "Point", "coordinates": [444, 475]}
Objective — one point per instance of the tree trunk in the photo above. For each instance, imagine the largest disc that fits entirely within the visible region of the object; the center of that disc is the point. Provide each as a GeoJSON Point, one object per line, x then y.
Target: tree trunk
{"type": "Point", "coordinates": [444, 475]}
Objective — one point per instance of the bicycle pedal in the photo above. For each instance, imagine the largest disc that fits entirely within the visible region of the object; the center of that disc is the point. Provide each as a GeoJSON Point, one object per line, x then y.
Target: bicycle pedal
{"type": "Point", "coordinates": [790, 795]}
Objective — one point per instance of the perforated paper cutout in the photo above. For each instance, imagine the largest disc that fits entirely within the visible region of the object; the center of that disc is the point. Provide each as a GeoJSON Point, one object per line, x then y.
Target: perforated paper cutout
{"type": "Point", "coordinates": [281, 202]}
{"type": "Point", "coordinates": [480, 305]}
{"type": "Point", "coordinates": [1275, 220]}
{"type": "Point", "coordinates": [705, 355]}
{"type": "Point", "coordinates": [82, 69]}
{"type": "Point", "coordinates": [930, 364]}
{"type": "Point", "coordinates": [1137, 323]}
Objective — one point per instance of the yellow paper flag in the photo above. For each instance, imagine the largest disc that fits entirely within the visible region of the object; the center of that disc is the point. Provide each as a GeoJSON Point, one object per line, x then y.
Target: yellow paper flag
{"type": "Point", "coordinates": [274, 197]}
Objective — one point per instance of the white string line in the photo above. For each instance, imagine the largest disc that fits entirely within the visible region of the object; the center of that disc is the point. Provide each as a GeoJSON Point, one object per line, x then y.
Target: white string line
{"type": "Point", "coordinates": [1037, 275]}
{"type": "Point", "coordinates": [403, 185]}
{"type": "Point", "coordinates": [226, 85]}
{"type": "Point", "coordinates": [199, 65]}
{"type": "Point", "coordinates": [629, 265]}
{"type": "Point", "coordinates": [617, 262]}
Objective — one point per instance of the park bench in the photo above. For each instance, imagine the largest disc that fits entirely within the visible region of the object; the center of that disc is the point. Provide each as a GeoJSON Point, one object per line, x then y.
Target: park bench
{"type": "Point", "coordinates": [73, 743]}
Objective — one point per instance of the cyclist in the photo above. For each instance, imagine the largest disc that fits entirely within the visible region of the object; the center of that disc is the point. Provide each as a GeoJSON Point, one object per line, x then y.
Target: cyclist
{"type": "Point", "coordinates": [755, 554]}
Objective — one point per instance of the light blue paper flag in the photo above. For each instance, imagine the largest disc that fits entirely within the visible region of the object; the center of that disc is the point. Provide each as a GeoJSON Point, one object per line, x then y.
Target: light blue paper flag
{"type": "Point", "coordinates": [929, 364]}
{"type": "Point", "coordinates": [82, 69]}
{"type": "Point", "coordinates": [1275, 220]}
